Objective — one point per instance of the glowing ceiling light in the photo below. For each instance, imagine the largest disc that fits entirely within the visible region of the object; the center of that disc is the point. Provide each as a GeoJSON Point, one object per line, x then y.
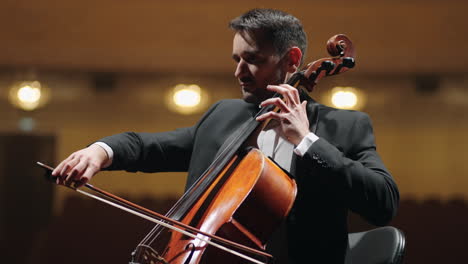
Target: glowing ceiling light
{"type": "Point", "coordinates": [187, 95]}
{"type": "Point", "coordinates": [187, 99]}
{"type": "Point", "coordinates": [343, 99]}
{"type": "Point", "coordinates": [346, 98]}
{"type": "Point", "coordinates": [27, 95]}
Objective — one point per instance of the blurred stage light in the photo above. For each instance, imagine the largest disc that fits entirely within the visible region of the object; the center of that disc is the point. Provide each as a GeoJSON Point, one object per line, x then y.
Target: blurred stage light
{"type": "Point", "coordinates": [187, 99]}
{"type": "Point", "coordinates": [28, 95]}
{"type": "Point", "coordinates": [344, 99]}
{"type": "Point", "coordinates": [187, 95]}
{"type": "Point", "coordinates": [347, 98]}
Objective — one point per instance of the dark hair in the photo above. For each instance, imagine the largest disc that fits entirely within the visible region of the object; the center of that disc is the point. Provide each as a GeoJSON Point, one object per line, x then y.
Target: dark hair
{"type": "Point", "coordinates": [279, 28]}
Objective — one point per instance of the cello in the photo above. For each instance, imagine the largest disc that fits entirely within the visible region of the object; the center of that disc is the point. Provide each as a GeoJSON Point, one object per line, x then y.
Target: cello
{"type": "Point", "coordinates": [229, 207]}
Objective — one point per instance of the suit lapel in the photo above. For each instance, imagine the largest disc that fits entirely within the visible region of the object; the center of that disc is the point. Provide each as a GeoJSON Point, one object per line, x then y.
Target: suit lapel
{"type": "Point", "coordinates": [313, 114]}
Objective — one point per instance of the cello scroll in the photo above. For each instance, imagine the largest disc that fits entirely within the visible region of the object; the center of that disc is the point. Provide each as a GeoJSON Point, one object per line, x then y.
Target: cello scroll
{"type": "Point", "coordinates": [342, 50]}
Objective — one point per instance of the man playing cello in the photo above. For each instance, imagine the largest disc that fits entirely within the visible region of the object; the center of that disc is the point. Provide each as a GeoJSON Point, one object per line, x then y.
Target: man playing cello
{"type": "Point", "coordinates": [331, 153]}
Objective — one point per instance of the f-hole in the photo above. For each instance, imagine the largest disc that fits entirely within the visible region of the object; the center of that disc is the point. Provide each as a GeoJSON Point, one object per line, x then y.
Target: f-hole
{"type": "Point", "coordinates": [190, 247]}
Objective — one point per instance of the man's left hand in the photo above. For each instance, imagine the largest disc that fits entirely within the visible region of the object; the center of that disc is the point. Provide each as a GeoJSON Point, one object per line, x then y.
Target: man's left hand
{"type": "Point", "coordinates": [292, 115]}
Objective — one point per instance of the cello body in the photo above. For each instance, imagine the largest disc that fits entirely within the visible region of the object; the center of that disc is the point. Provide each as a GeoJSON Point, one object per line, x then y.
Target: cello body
{"type": "Point", "coordinates": [246, 202]}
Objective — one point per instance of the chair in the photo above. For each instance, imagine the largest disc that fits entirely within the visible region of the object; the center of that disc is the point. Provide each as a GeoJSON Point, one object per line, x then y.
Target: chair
{"type": "Point", "coordinates": [383, 245]}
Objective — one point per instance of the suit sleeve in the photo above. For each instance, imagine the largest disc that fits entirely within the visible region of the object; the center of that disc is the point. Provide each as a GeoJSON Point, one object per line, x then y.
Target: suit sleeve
{"type": "Point", "coordinates": [151, 152]}
{"type": "Point", "coordinates": [357, 174]}
{"type": "Point", "coordinates": [154, 152]}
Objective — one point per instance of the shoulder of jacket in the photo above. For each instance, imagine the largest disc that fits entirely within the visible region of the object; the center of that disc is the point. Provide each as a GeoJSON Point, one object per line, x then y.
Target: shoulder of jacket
{"type": "Point", "coordinates": [328, 110]}
{"type": "Point", "coordinates": [343, 117]}
{"type": "Point", "coordinates": [231, 102]}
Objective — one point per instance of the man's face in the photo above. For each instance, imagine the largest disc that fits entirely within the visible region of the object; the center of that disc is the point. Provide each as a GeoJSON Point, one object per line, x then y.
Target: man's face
{"type": "Point", "coordinates": [258, 65]}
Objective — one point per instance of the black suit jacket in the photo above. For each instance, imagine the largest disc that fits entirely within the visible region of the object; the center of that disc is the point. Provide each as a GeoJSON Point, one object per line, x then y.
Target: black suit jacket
{"type": "Point", "coordinates": [340, 171]}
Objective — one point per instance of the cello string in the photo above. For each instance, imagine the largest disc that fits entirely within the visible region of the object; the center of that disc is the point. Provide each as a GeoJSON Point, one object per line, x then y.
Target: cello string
{"type": "Point", "coordinates": [188, 198]}
{"type": "Point", "coordinates": [189, 192]}
{"type": "Point", "coordinates": [201, 183]}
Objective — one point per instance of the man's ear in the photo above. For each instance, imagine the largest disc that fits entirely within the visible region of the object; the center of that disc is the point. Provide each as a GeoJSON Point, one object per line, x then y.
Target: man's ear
{"type": "Point", "coordinates": [294, 59]}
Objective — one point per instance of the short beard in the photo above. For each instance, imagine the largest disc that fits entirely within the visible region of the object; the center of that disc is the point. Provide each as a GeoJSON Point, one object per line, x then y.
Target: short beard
{"type": "Point", "coordinates": [251, 98]}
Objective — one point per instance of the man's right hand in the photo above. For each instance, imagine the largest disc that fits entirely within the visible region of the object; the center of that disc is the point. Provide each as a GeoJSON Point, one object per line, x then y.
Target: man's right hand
{"type": "Point", "coordinates": [81, 166]}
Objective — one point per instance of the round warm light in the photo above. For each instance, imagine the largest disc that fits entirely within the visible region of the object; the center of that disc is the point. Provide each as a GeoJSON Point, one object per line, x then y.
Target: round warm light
{"type": "Point", "coordinates": [347, 98]}
{"type": "Point", "coordinates": [187, 99]}
{"type": "Point", "coordinates": [344, 99]}
{"type": "Point", "coordinates": [27, 95]}
{"type": "Point", "coordinates": [187, 96]}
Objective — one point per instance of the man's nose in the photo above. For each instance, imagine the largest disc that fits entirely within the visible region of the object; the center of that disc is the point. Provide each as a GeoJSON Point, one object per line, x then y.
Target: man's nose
{"type": "Point", "coordinates": [240, 69]}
